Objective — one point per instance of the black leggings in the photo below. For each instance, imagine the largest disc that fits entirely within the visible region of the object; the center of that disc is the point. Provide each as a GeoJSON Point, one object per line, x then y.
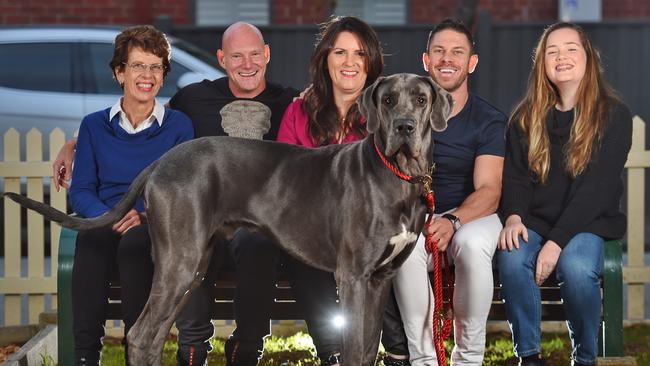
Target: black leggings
{"type": "Point", "coordinates": [96, 255]}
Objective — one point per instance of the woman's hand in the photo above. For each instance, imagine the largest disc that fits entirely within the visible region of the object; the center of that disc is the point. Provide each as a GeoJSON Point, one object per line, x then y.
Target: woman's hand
{"type": "Point", "coordinates": [509, 236]}
{"type": "Point", "coordinates": [131, 219]}
{"type": "Point", "coordinates": [546, 261]}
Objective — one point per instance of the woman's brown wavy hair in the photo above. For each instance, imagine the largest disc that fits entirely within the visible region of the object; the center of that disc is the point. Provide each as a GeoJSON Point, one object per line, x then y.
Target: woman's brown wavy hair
{"type": "Point", "coordinates": [593, 98]}
{"type": "Point", "coordinates": [146, 37]}
{"type": "Point", "coordinates": [319, 100]}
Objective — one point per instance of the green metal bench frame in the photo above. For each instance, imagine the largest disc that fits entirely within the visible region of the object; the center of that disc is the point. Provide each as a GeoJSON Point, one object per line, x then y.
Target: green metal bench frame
{"type": "Point", "coordinates": [610, 338]}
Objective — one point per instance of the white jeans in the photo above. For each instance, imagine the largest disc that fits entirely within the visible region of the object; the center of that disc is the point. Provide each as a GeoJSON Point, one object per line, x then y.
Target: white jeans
{"type": "Point", "coordinates": [471, 250]}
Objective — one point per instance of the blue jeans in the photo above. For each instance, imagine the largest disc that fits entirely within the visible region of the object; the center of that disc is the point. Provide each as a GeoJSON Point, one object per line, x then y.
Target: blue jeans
{"type": "Point", "coordinates": [578, 270]}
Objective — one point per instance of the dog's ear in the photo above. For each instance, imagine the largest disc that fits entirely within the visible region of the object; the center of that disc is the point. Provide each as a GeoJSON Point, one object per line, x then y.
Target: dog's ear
{"type": "Point", "coordinates": [368, 106]}
{"type": "Point", "coordinates": [442, 106]}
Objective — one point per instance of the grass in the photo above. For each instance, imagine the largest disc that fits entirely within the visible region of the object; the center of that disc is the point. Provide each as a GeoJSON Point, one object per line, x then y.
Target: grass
{"type": "Point", "coordinates": [298, 350]}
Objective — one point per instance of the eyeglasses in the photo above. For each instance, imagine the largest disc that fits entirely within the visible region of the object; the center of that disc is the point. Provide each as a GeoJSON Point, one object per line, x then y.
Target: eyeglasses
{"type": "Point", "coordinates": [140, 68]}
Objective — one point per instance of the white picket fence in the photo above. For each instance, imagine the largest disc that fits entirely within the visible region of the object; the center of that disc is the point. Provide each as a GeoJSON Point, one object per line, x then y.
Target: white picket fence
{"type": "Point", "coordinates": [36, 172]}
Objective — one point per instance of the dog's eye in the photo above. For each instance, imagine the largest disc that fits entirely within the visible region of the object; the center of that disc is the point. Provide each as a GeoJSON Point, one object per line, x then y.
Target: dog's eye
{"type": "Point", "coordinates": [421, 100]}
{"type": "Point", "coordinates": [388, 100]}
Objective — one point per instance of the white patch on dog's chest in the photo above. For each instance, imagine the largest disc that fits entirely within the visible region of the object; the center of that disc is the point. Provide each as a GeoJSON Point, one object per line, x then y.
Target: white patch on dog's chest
{"type": "Point", "coordinates": [399, 242]}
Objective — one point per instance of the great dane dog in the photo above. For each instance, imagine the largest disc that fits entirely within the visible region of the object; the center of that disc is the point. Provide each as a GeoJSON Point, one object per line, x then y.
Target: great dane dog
{"type": "Point", "coordinates": [338, 208]}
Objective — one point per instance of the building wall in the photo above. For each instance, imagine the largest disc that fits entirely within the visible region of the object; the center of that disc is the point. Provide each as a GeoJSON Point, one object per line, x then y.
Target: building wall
{"type": "Point", "coordinates": [427, 11]}
{"type": "Point", "coordinates": [104, 12]}
{"type": "Point", "coordinates": [292, 12]}
{"type": "Point", "coordinates": [284, 12]}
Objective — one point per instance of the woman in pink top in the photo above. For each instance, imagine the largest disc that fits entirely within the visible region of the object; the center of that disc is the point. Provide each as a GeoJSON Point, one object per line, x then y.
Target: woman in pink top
{"type": "Point", "coordinates": [347, 58]}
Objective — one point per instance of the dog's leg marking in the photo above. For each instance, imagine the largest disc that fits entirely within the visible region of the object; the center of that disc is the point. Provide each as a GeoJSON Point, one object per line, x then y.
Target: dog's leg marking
{"type": "Point", "coordinates": [399, 242]}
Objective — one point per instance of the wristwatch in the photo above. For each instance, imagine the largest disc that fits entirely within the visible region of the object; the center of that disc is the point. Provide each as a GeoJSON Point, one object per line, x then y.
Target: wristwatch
{"type": "Point", "coordinates": [455, 221]}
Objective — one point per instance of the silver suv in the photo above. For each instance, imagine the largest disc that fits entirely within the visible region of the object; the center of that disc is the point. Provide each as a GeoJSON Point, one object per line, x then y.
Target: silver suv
{"type": "Point", "coordinates": [52, 77]}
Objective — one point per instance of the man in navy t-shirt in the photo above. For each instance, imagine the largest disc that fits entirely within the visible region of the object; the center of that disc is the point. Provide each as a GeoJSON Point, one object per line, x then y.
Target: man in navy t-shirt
{"type": "Point", "coordinates": [467, 186]}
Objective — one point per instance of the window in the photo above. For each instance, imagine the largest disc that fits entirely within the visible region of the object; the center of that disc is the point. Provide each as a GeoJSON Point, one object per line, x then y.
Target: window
{"type": "Point", "coordinates": [36, 66]}
{"type": "Point", "coordinates": [384, 12]}
{"type": "Point", "coordinates": [226, 12]}
{"type": "Point", "coordinates": [100, 73]}
{"type": "Point", "coordinates": [170, 86]}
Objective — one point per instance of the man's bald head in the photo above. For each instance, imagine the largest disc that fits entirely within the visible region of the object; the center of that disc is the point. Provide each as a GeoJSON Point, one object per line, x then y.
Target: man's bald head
{"type": "Point", "coordinates": [241, 30]}
{"type": "Point", "coordinates": [244, 57]}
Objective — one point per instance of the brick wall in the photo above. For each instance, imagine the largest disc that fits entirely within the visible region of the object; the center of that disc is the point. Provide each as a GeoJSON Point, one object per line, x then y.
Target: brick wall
{"type": "Point", "coordinates": [120, 12]}
{"type": "Point", "coordinates": [626, 9]}
{"type": "Point", "coordinates": [427, 11]}
{"type": "Point", "coordinates": [299, 11]}
{"type": "Point", "coordinates": [104, 12]}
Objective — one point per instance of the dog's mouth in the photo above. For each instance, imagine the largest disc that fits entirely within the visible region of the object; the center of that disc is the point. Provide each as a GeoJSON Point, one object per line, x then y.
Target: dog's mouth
{"type": "Point", "coordinates": [407, 153]}
{"type": "Point", "coordinates": [405, 146]}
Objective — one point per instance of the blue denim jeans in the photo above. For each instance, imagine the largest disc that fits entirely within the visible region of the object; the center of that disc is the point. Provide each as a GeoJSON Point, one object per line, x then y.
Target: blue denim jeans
{"type": "Point", "coordinates": [578, 271]}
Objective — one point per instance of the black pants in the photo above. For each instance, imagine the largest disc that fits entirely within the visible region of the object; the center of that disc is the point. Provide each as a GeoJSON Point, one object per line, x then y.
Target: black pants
{"type": "Point", "coordinates": [393, 336]}
{"type": "Point", "coordinates": [97, 255]}
{"type": "Point", "coordinates": [256, 260]}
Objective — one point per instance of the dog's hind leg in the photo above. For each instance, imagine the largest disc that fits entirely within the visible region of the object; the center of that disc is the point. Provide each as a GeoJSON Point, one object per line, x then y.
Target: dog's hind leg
{"type": "Point", "coordinates": [181, 256]}
{"type": "Point", "coordinates": [363, 299]}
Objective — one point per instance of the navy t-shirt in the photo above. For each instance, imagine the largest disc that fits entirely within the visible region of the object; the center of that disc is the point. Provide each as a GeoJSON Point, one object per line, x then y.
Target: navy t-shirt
{"type": "Point", "coordinates": [479, 129]}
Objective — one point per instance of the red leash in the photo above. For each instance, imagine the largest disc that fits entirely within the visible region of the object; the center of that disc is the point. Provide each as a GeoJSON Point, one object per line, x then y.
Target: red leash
{"type": "Point", "coordinates": [441, 317]}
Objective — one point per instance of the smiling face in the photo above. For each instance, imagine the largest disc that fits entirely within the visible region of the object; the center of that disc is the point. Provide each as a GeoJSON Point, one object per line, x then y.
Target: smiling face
{"type": "Point", "coordinates": [140, 86]}
{"type": "Point", "coordinates": [346, 63]}
{"type": "Point", "coordinates": [449, 60]}
{"type": "Point", "coordinates": [244, 57]}
{"type": "Point", "coordinates": [565, 59]}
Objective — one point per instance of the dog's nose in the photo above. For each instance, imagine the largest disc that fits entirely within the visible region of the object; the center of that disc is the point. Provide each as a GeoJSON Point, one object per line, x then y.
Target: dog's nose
{"type": "Point", "coordinates": [404, 126]}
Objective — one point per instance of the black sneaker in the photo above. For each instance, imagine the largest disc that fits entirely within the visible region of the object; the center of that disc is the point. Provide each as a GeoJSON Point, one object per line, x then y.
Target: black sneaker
{"type": "Point", "coordinates": [334, 359]}
{"type": "Point", "coordinates": [533, 360]}
{"type": "Point", "coordinates": [390, 361]}
{"type": "Point", "coordinates": [241, 353]}
{"type": "Point", "coordinates": [192, 355]}
{"type": "Point", "coordinates": [87, 360]}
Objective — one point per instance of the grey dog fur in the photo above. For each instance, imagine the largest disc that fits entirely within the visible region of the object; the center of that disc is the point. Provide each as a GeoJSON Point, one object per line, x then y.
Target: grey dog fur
{"type": "Point", "coordinates": [337, 208]}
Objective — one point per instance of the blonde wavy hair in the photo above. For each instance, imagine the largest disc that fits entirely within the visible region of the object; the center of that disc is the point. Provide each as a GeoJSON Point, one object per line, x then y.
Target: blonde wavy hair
{"type": "Point", "coordinates": [593, 98]}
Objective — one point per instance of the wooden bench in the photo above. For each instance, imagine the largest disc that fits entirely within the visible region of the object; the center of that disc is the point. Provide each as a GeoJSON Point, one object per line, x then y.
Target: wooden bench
{"type": "Point", "coordinates": [610, 337]}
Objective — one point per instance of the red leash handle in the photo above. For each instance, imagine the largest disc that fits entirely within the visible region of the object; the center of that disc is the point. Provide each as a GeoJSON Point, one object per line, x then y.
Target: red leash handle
{"type": "Point", "coordinates": [441, 317]}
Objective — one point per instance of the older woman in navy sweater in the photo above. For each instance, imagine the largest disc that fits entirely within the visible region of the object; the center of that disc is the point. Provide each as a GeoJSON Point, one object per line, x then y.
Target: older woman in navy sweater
{"type": "Point", "coordinates": [113, 146]}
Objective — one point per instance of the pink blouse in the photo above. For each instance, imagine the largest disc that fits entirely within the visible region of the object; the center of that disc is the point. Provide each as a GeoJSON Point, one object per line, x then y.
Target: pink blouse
{"type": "Point", "coordinates": [293, 128]}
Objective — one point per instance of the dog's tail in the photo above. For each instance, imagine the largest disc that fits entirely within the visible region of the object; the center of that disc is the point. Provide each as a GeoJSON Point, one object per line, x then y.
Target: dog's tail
{"type": "Point", "coordinates": [78, 223]}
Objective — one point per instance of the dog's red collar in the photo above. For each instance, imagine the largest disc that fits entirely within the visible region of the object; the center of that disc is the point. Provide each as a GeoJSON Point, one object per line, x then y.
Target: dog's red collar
{"type": "Point", "coordinates": [425, 179]}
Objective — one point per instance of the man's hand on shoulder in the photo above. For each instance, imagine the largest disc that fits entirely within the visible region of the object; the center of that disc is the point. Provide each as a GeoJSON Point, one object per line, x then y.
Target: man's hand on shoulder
{"type": "Point", "coordinates": [303, 93]}
{"type": "Point", "coordinates": [62, 165]}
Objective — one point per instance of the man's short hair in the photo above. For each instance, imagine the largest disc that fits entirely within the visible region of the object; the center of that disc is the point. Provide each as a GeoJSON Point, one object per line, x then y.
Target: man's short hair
{"type": "Point", "coordinates": [455, 25]}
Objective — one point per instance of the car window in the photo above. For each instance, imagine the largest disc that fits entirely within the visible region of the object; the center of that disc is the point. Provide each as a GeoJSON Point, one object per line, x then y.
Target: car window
{"type": "Point", "coordinates": [170, 86]}
{"type": "Point", "coordinates": [101, 54]}
{"type": "Point", "coordinates": [101, 74]}
{"type": "Point", "coordinates": [36, 66]}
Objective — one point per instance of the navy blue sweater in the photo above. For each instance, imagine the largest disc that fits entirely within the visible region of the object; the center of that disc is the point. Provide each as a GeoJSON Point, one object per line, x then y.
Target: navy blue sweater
{"type": "Point", "coordinates": [108, 158]}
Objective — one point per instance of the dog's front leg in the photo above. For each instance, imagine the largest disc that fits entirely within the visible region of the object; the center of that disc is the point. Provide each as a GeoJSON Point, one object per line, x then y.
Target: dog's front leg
{"type": "Point", "coordinates": [181, 259]}
{"type": "Point", "coordinates": [363, 299]}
